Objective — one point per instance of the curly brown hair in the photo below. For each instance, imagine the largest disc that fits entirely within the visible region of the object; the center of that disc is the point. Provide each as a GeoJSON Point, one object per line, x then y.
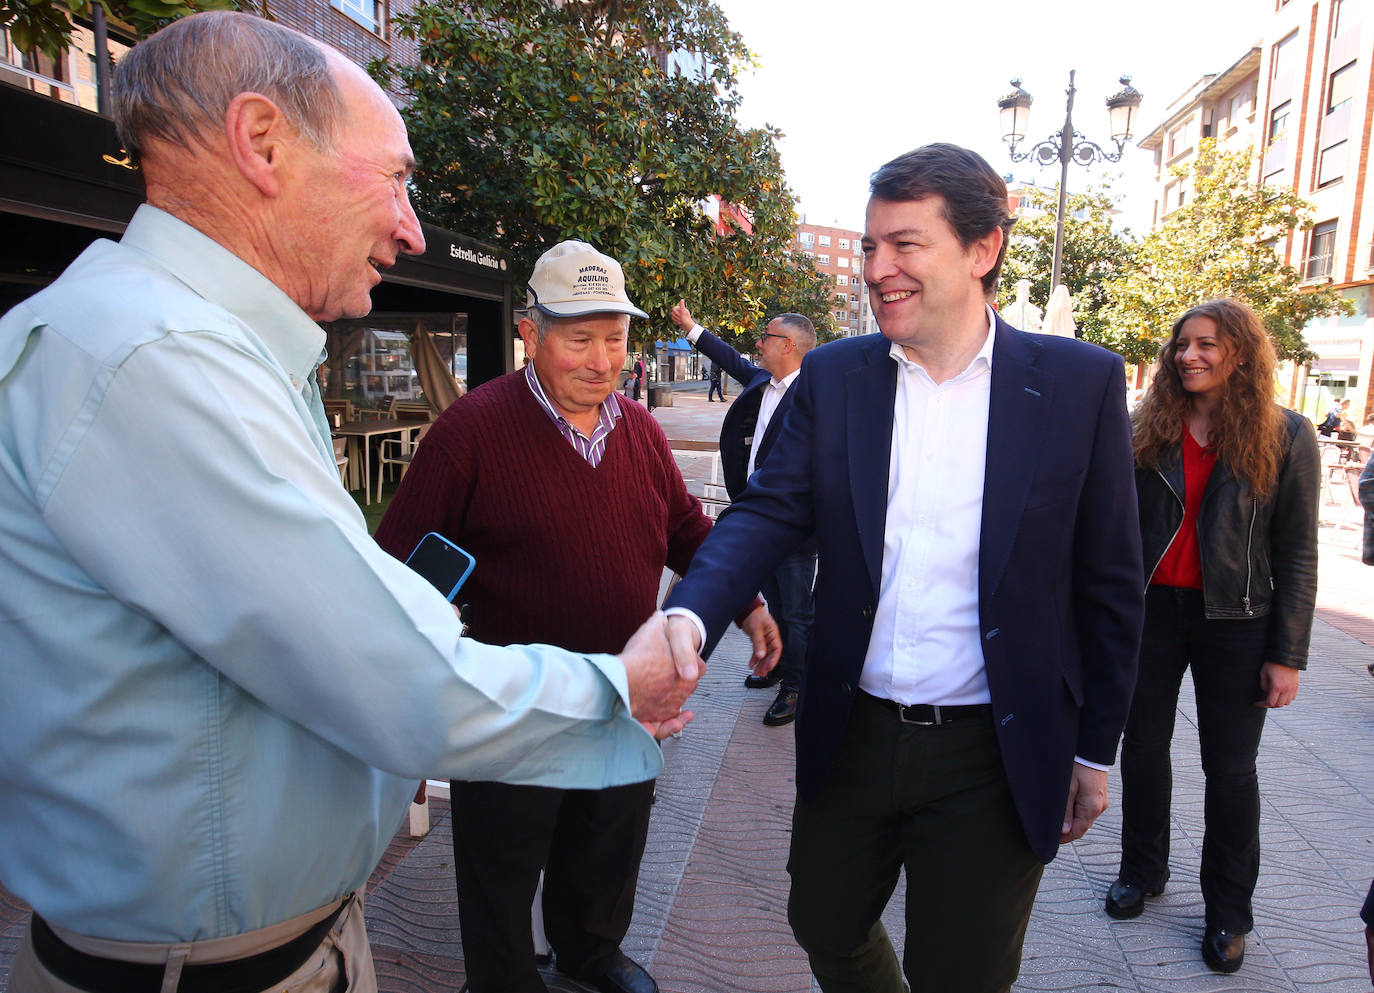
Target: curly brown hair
{"type": "Point", "coordinates": [1247, 429]}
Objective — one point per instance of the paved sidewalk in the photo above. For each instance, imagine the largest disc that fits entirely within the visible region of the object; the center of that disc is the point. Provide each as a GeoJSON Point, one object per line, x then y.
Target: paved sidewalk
{"type": "Point", "coordinates": [711, 917]}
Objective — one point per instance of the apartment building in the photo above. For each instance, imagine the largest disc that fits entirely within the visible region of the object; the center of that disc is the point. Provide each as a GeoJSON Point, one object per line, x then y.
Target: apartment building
{"type": "Point", "coordinates": [839, 259]}
{"type": "Point", "coordinates": [65, 181]}
{"type": "Point", "coordinates": [1301, 98]}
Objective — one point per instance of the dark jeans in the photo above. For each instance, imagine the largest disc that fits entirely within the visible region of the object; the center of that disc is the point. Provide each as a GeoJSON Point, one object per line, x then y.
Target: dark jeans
{"type": "Point", "coordinates": [589, 843]}
{"type": "Point", "coordinates": [788, 592]}
{"type": "Point", "coordinates": [934, 800]}
{"type": "Point", "coordinates": [714, 389]}
{"type": "Point", "coordinates": [1225, 656]}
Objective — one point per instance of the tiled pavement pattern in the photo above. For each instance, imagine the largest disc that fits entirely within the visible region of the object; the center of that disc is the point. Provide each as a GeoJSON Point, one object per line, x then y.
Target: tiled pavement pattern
{"type": "Point", "coordinates": [711, 915]}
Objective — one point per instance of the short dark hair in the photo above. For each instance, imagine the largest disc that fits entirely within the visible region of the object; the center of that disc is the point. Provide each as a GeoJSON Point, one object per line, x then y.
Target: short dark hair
{"type": "Point", "coordinates": [974, 195]}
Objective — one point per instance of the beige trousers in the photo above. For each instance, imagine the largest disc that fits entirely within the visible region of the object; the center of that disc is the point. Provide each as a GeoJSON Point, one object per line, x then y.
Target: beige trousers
{"type": "Point", "coordinates": [343, 960]}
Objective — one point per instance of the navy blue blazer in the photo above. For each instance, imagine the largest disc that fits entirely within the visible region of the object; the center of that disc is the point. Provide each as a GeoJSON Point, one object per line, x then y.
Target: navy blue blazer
{"type": "Point", "coordinates": [737, 435]}
{"type": "Point", "coordinates": [1061, 586]}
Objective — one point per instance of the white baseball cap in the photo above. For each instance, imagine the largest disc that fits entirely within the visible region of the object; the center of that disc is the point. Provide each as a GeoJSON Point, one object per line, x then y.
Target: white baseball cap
{"type": "Point", "coordinates": [572, 278]}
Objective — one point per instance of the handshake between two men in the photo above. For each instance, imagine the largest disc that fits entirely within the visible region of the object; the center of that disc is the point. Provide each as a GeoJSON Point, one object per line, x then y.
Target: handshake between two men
{"type": "Point", "coordinates": [663, 666]}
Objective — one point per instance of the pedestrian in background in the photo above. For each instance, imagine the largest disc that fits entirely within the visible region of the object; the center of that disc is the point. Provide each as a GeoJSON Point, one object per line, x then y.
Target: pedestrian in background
{"type": "Point", "coordinates": [714, 375]}
{"type": "Point", "coordinates": [747, 434]}
{"type": "Point", "coordinates": [1227, 484]}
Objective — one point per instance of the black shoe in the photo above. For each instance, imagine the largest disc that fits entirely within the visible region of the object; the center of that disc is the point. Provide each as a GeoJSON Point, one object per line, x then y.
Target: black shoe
{"type": "Point", "coordinates": [763, 682]}
{"type": "Point", "coordinates": [1126, 900]}
{"type": "Point", "coordinates": [625, 975]}
{"type": "Point", "coordinates": [1222, 950]}
{"type": "Point", "coordinates": [784, 709]}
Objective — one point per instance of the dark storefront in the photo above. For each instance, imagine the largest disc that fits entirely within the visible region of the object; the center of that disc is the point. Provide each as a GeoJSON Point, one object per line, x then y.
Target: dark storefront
{"type": "Point", "coordinates": [62, 185]}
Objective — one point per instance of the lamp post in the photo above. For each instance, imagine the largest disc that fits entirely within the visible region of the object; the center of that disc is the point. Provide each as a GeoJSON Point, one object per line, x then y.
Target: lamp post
{"type": "Point", "coordinates": [1067, 145]}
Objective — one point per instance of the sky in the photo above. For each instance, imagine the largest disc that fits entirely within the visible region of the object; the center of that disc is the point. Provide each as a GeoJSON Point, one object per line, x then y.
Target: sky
{"type": "Point", "coordinates": [854, 84]}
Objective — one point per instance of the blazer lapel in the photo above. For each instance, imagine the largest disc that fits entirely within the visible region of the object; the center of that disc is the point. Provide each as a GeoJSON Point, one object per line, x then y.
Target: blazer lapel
{"type": "Point", "coordinates": [1018, 417]}
{"type": "Point", "coordinates": [870, 393]}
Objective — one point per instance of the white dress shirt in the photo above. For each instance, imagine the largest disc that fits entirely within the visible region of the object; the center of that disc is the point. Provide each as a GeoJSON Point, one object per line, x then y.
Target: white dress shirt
{"type": "Point", "coordinates": [768, 403]}
{"type": "Point", "coordinates": [925, 646]}
{"type": "Point", "coordinates": [768, 406]}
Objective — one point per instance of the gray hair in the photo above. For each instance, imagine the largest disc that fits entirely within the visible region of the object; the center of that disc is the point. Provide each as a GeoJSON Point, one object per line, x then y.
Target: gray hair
{"type": "Point", "coordinates": [543, 323]}
{"type": "Point", "coordinates": [803, 331]}
{"type": "Point", "coordinates": [176, 85]}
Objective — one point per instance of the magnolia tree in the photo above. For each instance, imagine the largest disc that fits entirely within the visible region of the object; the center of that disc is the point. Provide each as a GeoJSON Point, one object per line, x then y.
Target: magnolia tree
{"type": "Point", "coordinates": [614, 123]}
{"type": "Point", "coordinates": [1094, 254]}
{"type": "Point", "coordinates": [1220, 243]}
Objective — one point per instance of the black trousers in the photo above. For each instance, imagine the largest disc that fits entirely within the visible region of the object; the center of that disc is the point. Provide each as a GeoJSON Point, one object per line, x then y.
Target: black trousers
{"type": "Point", "coordinates": [790, 601]}
{"type": "Point", "coordinates": [934, 800]}
{"type": "Point", "coordinates": [1225, 656]}
{"type": "Point", "coordinates": [589, 844]}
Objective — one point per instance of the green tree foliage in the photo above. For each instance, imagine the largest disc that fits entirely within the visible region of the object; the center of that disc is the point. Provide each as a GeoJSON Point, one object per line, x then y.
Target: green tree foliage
{"type": "Point", "coordinates": [1095, 253]}
{"type": "Point", "coordinates": [46, 25]}
{"type": "Point", "coordinates": [534, 121]}
{"type": "Point", "coordinates": [1220, 243]}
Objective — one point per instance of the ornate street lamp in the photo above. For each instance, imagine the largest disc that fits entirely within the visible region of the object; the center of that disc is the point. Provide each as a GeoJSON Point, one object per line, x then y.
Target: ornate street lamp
{"type": "Point", "coordinates": [1067, 145]}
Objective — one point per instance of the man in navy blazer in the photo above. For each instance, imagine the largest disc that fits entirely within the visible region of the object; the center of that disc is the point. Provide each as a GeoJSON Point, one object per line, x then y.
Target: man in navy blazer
{"type": "Point", "coordinates": [747, 434]}
{"type": "Point", "coordinates": [978, 601]}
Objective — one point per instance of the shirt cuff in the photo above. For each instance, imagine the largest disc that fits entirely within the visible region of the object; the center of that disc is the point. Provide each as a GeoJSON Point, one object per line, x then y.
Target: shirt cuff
{"type": "Point", "coordinates": [1092, 765]}
{"type": "Point", "coordinates": [695, 333]}
{"type": "Point", "coordinates": [691, 616]}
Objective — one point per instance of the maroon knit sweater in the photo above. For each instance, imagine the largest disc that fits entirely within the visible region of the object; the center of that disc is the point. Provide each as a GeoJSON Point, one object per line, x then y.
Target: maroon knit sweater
{"type": "Point", "coordinates": [566, 554]}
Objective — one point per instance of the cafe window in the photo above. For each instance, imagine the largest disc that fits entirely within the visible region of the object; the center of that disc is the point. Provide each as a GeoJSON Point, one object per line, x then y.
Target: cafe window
{"type": "Point", "coordinates": [370, 360]}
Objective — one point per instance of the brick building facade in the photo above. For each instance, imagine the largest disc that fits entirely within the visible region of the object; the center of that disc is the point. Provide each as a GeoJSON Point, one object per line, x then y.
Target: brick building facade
{"type": "Point", "coordinates": [839, 258]}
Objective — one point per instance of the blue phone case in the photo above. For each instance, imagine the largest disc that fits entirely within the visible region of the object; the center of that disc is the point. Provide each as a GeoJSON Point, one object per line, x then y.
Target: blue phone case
{"type": "Point", "coordinates": [443, 563]}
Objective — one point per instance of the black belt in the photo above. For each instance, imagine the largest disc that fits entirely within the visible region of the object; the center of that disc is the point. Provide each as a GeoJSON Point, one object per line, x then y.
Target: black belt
{"type": "Point", "coordinates": [932, 714]}
{"type": "Point", "coordinates": [246, 975]}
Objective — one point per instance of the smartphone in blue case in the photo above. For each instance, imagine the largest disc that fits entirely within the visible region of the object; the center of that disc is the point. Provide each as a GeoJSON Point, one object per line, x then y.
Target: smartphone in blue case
{"type": "Point", "coordinates": [443, 563]}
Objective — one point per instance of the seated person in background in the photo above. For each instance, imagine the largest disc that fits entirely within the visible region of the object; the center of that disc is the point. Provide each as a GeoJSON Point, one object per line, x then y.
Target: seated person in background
{"type": "Point", "coordinates": [1334, 417]}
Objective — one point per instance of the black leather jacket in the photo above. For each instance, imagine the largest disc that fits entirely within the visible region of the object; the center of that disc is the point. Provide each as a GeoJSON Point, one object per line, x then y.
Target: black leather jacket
{"type": "Point", "coordinates": [1259, 558]}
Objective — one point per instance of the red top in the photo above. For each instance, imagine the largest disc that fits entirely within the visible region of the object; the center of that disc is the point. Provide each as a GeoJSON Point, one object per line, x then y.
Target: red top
{"type": "Point", "coordinates": [1182, 564]}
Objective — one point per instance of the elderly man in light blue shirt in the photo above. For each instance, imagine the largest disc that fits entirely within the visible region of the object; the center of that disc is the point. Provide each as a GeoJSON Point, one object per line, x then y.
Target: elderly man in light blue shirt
{"type": "Point", "coordinates": [218, 691]}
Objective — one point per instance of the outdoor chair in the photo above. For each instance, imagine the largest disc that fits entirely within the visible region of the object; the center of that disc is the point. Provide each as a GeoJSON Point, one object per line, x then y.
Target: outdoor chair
{"type": "Point", "coordinates": [341, 459]}
{"type": "Point", "coordinates": [387, 409]}
{"type": "Point", "coordinates": [412, 410]}
{"type": "Point", "coordinates": [398, 451]}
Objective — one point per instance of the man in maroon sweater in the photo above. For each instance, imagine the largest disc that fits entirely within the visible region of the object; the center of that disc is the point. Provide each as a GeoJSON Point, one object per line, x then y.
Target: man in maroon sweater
{"type": "Point", "coordinates": [572, 504]}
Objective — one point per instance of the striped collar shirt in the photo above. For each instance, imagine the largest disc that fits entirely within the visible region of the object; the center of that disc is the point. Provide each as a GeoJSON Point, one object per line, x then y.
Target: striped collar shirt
{"type": "Point", "coordinates": [590, 448]}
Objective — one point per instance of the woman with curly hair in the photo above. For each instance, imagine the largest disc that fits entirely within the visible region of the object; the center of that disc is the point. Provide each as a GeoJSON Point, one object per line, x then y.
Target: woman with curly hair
{"type": "Point", "coordinates": [1228, 485]}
